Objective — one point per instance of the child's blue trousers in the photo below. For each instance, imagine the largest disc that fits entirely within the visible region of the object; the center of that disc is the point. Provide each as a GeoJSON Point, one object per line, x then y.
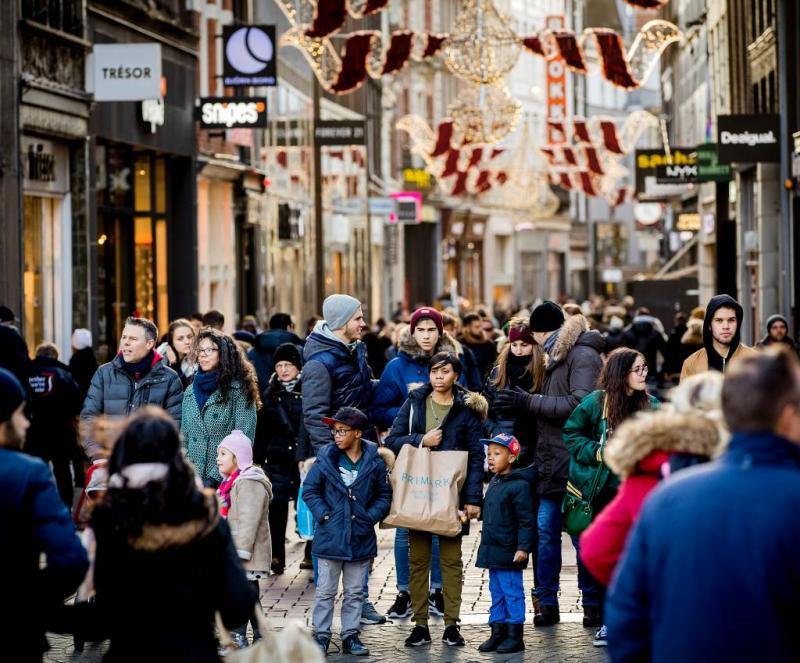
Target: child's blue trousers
{"type": "Point", "coordinates": [508, 596]}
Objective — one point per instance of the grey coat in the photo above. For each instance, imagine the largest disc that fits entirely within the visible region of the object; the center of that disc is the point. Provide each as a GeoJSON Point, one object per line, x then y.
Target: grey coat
{"type": "Point", "coordinates": [572, 371]}
{"type": "Point", "coordinates": [114, 393]}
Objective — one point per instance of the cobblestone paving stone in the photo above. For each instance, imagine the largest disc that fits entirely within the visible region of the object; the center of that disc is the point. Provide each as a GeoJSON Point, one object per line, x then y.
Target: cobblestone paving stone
{"type": "Point", "coordinates": [291, 596]}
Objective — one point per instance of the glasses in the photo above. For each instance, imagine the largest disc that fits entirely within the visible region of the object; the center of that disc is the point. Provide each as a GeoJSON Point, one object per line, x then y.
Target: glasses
{"type": "Point", "coordinates": [340, 432]}
{"type": "Point", "coordinates": [204, 352]}
{"type": "Point", "coordinates": [640, 370]}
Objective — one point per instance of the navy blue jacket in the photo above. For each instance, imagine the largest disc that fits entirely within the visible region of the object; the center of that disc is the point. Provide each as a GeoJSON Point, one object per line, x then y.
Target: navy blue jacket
{"type": "Point", "coordinates": [33, 520]}
{"type": "Point", "coordinates": [508, 521]}
{"type": "Point", "coordinates": [334, 376]}
{"type": "Point", "coordinates": [718, 535]}
{"type": "Point", "coordinates": [346, 517]}
{"type": "Point", "coordinates": [462, 430]}
{"type": "Point", "coordinates": [262, 354]}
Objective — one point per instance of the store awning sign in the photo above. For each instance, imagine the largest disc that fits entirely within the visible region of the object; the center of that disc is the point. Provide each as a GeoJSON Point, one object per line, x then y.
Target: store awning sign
{"type": "Point", "coordinates": [232, 112]}
{"type": "Point", "coordinates": [249, 55]}
{"type": "Point", "coordinates": [124, 72]}
{"type": "Point", "coordinates": [708, 167]}
{"type": "Point", "coordinates": [648, 161]}
{"type": "Point", "coordinates": [748, 138]}
{"type": "Point", "coordinates": [340, 132]}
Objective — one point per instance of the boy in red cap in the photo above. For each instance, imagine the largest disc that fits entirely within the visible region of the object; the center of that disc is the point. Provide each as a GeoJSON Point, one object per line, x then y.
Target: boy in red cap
{"type": "Point", "coordinates": [507, 539]}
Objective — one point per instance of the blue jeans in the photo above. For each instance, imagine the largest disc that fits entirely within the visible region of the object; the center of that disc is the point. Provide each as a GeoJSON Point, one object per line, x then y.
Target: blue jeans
{"type": "Point", "coordinates": [364, 589]}
{"type": "Point", "coordinates": [508, 597]}
{"type": "Point", "coordinates": [402, 565]}
{"type": "Point", "coordinates": [548, 563]}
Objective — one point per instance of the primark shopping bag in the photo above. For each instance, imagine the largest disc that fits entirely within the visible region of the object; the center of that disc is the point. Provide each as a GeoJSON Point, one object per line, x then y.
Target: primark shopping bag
{"type": "Point", "coordinates": [425, 490]}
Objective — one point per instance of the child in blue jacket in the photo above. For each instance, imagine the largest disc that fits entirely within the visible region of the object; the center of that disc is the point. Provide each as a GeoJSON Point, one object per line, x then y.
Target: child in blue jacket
{"type": "Point", "coordinates": [348, 493]}
{"type": "Point", "coordinates": [507, 539]}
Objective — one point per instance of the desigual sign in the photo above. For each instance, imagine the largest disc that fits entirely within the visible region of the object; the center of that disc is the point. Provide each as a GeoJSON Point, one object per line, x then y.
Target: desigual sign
{"type": "Point", "coordinates": [124, 72]}
{"type": "Point", "coordinates": [748, 138]}
{"type": "Point", "coordinates": [232, 113]}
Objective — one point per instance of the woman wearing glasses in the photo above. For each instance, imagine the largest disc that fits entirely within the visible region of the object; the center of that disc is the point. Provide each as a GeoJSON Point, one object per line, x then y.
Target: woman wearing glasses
{"type": "Point", "coordinates": [621, 392]}
{"type": "Point", "coordinates": [222, 397]}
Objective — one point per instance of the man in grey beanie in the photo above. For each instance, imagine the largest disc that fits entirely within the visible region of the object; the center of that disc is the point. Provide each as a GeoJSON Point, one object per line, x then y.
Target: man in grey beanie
{"type": "Point", "coordinates": [335, 375]}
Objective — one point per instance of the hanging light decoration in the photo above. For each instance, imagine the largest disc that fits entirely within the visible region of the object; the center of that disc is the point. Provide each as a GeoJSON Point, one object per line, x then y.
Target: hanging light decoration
{"type": "Point", "coordinates": [484, 114]}
{"type": "Point", "coordinates": [482, 48]}
{"type": "Point", "coordinates": [648, 46]}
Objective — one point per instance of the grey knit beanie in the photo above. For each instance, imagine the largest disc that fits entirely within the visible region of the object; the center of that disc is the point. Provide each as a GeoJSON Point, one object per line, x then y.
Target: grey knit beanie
{"type": "Point", "coordinates": [338, 309]}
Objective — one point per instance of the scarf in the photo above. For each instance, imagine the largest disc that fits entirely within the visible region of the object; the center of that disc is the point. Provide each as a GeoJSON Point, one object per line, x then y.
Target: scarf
{"type": "Point", "coordinates": [290, 384]}
{"type": "Point", "coordinates": [224, 492]}
{"type": "Point", "coordinates": [516, 368]}
{"type": "Point", "coordinates": [549, 344]}
{"type": "Point", "coordinates": [204, 384]}
{"type": "Point", "coordinates": [137, 370]}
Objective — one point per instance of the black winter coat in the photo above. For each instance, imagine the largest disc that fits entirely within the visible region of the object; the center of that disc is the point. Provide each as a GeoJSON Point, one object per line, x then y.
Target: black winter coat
{"type": "Point", "coordinates": [462, 430]}
{"type": "Point", "coordinates": [83, 365]}
{"type": "Point", "coordinates": [281, 438]}
{"type": "Point", "coordinates": [509, 523]}
{"type": "Point", "coordinates": [572, 371]}
{"type": "Point", "coordinates": [168, 582]}
{"type": "Point", "coordinates": [643, 337]}
{"type": "Point", "coordinates": [262, 354]}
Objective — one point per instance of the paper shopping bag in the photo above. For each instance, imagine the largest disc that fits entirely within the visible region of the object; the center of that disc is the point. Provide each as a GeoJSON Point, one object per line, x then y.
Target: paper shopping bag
{"type": "Point", "coordinates": [425, 490]}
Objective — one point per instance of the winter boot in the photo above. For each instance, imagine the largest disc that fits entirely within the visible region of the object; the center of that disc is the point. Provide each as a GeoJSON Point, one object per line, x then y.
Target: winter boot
{"type": "Point", "coordinates": [548, 615]}
{"type": "Point", "coordinates": [592, 616]}
{"type": "Point", "coordinates": [513, 642]}
{"type": "Point", "coordinates": [498, 635]}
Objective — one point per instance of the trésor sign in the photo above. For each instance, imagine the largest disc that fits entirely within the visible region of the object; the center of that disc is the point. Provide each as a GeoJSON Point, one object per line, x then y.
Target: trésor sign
{"type": "Point", "coordinates": [125, 72]}
{"type": "Point", "coordinates": [232, 113]}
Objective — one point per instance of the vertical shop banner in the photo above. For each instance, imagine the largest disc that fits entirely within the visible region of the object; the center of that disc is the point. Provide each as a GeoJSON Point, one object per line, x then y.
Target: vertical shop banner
{"type": "Point", "coordinates": [124, 72]}
{"type": "Point", "coordinates": [556, 94]}
{"type": "Point", "coordinates": [249, 55]}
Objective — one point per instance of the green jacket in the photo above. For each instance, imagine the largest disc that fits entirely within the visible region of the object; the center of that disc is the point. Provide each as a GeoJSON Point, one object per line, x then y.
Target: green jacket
{"type": "Point", "coordinates": [203, 431]}
{"type": "Point", "coordinates": [582, 434]}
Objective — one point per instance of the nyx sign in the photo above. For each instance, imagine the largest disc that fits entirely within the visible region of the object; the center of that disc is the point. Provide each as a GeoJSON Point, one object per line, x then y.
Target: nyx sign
{"type": "Point", "coordinates": [676, 174]}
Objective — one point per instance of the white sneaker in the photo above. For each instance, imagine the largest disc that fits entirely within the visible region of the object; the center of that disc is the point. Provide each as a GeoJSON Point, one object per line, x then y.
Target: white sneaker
{"type": "Point", "coordinates": [601, 637]}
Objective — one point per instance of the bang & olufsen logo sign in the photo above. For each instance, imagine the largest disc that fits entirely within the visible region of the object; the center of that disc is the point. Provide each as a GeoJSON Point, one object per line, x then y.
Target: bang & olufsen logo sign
{"type": "Point", "coordinates": [249, 52]}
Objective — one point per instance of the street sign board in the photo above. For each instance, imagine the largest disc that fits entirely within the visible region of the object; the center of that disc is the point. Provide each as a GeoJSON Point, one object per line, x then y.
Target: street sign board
{"type": "Point", "coordinates": [748, 138]}
{"type": "Point", "coordinates": [649, 160]}
{"type": "Point", "coordinates": [674, 174]}
{"type": "Point", "coordinates": [232, 112]}
{"type": "Point", "coordinates": [125, 72]}
{"type": "Point", "coordinates": [708, 167]}
{"type": "Point", "coordinates": [249, 55]}
{"type": "Point", "coordinates": [340, 132]}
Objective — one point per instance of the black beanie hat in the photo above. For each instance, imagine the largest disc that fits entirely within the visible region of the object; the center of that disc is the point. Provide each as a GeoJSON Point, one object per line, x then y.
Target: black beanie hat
{"type": "Point", "coordinates": [288, 352]}
{"type": "Point", "coordinates": [12, 395]}
{"type": "Point", "coordinates": [547, 317]}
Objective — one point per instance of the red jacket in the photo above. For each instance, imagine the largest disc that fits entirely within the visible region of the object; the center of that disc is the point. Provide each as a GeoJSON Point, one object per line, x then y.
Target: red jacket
{"type": "Point", "coordinates": [603, 542]}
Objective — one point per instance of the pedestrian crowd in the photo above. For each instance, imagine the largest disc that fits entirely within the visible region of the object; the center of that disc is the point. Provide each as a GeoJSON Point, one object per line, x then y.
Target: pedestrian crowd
{"type": "Point", "coordinates": [159, 483]}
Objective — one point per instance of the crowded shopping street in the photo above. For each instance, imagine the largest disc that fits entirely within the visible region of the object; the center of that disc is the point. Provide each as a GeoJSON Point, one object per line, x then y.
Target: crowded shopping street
{"type": "Point", "coordinates": [399, 330]}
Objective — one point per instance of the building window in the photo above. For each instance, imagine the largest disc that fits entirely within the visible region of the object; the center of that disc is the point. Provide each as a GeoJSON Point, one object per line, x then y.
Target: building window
{"type": "Point", "coordinates": [62, 15]}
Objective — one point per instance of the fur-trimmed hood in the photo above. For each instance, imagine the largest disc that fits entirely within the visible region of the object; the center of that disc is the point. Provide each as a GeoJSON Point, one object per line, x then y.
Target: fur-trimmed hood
{"type": "Point", "coordinates": [160, 537]}
{"type": "Point", "coordinates": [663, 431]}
{"type": "Point", "coordinates": [574, 331]}
{"type": "Point", "coordinates": [470, 399]}
{"type": "Point", "coordinates": [408, 345]}
{"type": "Point", "coordinates": [694, 332]}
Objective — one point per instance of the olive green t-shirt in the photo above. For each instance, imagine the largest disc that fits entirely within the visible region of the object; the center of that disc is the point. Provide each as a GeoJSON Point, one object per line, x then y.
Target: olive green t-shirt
{"type": "Point", "coordinates": [434, 413]}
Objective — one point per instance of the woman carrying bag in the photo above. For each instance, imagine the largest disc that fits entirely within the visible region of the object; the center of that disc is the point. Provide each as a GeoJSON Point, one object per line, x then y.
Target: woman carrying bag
{"type": "Point", "coordinates": [622, 391]}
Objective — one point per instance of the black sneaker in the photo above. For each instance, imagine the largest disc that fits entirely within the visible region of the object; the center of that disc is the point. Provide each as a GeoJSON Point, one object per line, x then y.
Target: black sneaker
{"type": "Point", "coordinates": [592, 618]}
{"type": "Point", "coordinates": [352, 646]}
{"type": "Point", "coordinates": [436, 603]}
{"type": "Point", "coordinates": [452, 636]}
{"type": "Point", "coordinates": [401, 608]}
{"type": "Point", "coordinates": [419, 636]}
{"type": "Point", "coordinates": [322, 643]}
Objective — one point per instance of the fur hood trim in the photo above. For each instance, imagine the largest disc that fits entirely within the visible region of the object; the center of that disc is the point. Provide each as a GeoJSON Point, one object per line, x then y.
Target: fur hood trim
{"type": "Point", "coordinates": [664, 431]}
{"type": "Point", "coordinates": [408, 344]}
{"type": "Point", "coordinates": [160, 537]}
{"type": "Point", "coordinates": [694, 332]}
{"type": "Point", "coordinates": [388, 457]}
{"type": "Point", "coordinates": [568, 336]}
{"type": "Point", "coordinates": [477, 403]}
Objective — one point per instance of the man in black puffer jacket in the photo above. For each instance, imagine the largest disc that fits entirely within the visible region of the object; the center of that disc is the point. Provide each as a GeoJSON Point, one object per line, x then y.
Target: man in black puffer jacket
{"type": "Point", "coordinates": [573, 366]}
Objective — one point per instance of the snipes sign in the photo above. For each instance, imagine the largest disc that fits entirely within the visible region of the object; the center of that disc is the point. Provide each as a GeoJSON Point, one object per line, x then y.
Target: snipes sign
{"type": "Point", "coordinates": [748, 138]}
{"type": "Point", "coordinates": [232, 113]}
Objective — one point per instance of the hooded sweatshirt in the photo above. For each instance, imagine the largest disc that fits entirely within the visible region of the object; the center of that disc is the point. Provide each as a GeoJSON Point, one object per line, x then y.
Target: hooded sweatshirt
{"type": "Point", "coordinates": [707, 358]}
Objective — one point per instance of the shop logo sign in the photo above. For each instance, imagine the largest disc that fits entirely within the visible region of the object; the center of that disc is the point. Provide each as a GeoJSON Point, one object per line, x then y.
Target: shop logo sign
{"type": "Point", "coordinates": [249, 55]}
{"type": "Point", "coordinates": [556, 85]}
{"type": "Point", "coordinates": [340, 132]}
{"type": "Point", "coordinates": [232, 113]}
{"type": "Point", "coordinates": [748, 138]}
{"type": "Point", "coordinates": [124, 72]}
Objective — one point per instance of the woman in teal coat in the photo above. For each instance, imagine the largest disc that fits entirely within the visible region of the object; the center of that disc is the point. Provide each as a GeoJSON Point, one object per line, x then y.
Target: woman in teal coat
{"type": "Point", "coordinates": [622, 391]}
{"type": "Point", "coordinates": [222, 397]}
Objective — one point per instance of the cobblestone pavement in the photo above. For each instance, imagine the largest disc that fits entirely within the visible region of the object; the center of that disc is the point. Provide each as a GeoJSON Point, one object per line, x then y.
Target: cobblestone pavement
{"type": "Point", "coordinates": [291, 596]}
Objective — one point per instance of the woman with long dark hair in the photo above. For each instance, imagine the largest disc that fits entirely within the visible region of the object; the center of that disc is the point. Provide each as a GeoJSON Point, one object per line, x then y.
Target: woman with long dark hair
{"type": "Point", "coordinates": [223, 397]}
{"type": "Point", "coordinates": [177, 349]}
{"type": "Point", "coordinates": [621, 392]}
{"type": "Point", "coordinates": [164, 558]}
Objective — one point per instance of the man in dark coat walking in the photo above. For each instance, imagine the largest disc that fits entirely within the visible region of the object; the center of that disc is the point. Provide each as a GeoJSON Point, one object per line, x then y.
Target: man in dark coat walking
{"type": "Point", "coordinates": [262, 354]}
{"type": "Point", "coordinates": [33, 520]}
{"type": "Point", "coordinates": [573, 366]}
{"type": "Point", "coordinates": [721, 534]}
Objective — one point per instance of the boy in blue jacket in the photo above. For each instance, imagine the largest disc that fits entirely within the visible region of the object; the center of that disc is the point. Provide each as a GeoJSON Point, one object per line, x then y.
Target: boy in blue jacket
{"type": "Point", "coordinates": [348, 493]}
{"type": "Point", "coordinates": [506, 541]}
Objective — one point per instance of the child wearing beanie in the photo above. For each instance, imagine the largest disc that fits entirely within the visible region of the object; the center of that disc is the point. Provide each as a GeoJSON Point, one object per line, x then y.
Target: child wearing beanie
{"type": "Point", "coordinates": [244, 496]}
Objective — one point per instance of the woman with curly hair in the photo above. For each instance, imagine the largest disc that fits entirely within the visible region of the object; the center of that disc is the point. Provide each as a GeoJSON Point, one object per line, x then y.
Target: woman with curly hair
{"type": "Point", "coordinates": [156, 534]}
{"type": "Point", "coordinates": [621, 393]}
{"type": "Point", "coordinates": [222, 397]}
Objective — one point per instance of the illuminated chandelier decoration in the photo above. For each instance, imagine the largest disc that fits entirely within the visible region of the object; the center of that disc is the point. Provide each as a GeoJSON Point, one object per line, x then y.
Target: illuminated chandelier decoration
{"type": "Point", "coordinates": [482, 48]}
{"type": "Point", "coordinates": [484, 114]}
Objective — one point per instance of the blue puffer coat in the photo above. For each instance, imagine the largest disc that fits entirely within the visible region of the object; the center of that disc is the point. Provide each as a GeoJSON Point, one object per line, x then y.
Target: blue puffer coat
{"type": "Point", "coordinates": [346, 517]}
{"type": "Point", "coordinates": [462, 430]}
{"type": "Point", "coordinates": [404, 373]}
{"type": "Point", "coordinates": [334, 376]}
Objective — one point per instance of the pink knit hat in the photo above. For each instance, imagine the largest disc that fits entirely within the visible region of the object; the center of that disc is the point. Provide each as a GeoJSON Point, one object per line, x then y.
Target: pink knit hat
{"type": "Point", "coordinates": [240, 446]}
